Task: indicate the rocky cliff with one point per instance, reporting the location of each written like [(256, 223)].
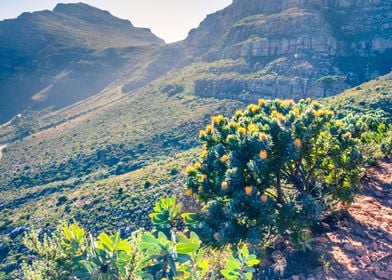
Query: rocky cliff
[(297, 47)]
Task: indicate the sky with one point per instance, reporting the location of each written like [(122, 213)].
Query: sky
[(169, 19)]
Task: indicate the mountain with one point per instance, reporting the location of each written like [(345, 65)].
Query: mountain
[(55, 58), (99, 113), (294, 48)]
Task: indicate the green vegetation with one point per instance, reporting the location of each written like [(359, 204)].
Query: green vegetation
[(276, 167), (271, 170), (70, 253), (116, 182), (370, 96)]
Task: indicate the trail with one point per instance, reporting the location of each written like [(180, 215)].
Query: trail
[(361, 245)]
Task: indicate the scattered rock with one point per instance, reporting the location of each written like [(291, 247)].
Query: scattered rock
[(295, 277), (322, 239), (382, 274), (366, 259), (360, 251), (349, 247)]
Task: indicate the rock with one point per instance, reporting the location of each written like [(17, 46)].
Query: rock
[(382, 274), (360, 251), (322, 239), (374, 246), (349, 247), (366, 259), (295, 277)]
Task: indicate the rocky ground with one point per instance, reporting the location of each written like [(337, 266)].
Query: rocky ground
[(360, 246), (355, 242)]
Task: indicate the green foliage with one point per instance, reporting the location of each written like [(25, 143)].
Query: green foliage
[(303, 239), (240, 267), (108, 257), (171, 258), (69, 254), (374, 131), (166, 210), (276, 166)]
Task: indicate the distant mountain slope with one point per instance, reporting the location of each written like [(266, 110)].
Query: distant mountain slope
[(55, 58), (373, 95), (291, 44)]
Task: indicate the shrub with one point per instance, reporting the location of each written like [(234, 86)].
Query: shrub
[(276, 166)]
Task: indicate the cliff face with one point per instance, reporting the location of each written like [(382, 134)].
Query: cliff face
[(291, 44)]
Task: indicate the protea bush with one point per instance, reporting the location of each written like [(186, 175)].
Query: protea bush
[(275, 167)]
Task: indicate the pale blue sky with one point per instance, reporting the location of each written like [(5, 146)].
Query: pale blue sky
[(169, 19)]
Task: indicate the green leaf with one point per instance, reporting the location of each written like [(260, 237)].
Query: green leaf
[(190, 218)]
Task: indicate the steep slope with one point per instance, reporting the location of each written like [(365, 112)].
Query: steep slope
[(295, 48), (373, 95), (55, 58)]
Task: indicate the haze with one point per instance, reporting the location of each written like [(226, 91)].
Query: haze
[(169, 19)]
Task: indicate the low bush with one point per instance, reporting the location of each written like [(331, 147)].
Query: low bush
[(274, 168)]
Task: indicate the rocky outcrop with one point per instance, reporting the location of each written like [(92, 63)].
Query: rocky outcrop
[(296, 43)]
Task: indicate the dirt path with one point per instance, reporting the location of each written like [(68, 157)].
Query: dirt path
[(360, 247)]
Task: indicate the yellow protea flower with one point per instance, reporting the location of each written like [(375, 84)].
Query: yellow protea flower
[(262, 136), (339, 123), (242, 130), (253, 128), (319, 113), (264, 198), (238, 113), (217, 119), (298, 143), (286, 103), (314, 103), (197, 165), (224, 158), (224, 185), (200, 189), (261, 102), (296, 111), (253, 108), (202, 133), (329, 113), (189, 192), (209, 128), (203, 177), (274, 113), (233, 125), (263, 154), (348, 135), (190, 169), (249, 190), (280, 118), (308, 100)]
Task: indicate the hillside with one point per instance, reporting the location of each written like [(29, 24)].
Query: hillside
[(121, 140), (98, 118), (73, 52)]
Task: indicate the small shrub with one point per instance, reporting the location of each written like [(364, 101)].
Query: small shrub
[(276, 166)]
